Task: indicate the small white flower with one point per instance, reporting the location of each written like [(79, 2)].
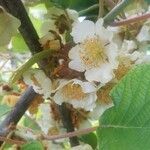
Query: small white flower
[(134, 53), (79, 94), (128, 46), (95, 52), (54, 12), (40, 82)]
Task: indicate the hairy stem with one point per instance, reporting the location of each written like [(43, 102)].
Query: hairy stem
[(11, 141), (71, 134), (101, 9), (89, 9), (131, 20), (115, 11), (17, 112), (67, 122)]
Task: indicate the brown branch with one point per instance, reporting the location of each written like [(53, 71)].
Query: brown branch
[(17, 112), (131, 20), (11, 141), (109, 18), (67, 122)]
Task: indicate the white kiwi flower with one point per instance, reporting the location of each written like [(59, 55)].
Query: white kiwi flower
[(95, 52), (39, 81), (76, 92)]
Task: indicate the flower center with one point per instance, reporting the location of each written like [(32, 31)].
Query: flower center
[(73, 91), (93, 53)]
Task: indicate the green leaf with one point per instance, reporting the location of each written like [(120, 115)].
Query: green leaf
[(34, 59), (18, 44), (75, 4), (8, 27), (82, 4), (28, 122), (90, 139), (47, 3), (33, 145), (126, 126), (4, 109), (148, 1), (62, 3)]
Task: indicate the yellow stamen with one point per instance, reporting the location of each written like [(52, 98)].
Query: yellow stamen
[(93, 53), (73, 91)]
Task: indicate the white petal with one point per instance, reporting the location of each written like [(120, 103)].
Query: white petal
[(99, 110), (59, 98), (48, 25), (112, 54), (85, 124), (74, 53), (45, 120), (128, 46), (102, 32), (144, 34), (103, 74), (73, 15), (88, 87), (45, 84), (76, 65), (88, 103), (136, 56), (83, 30), (61, 83)]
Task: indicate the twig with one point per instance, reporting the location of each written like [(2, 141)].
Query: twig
[(115, 11), (17, 112), (67, 122), (131, 20), (70, 134), (5, 142), (11, 141), (111, 3), (101, 9), (89, 9)]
